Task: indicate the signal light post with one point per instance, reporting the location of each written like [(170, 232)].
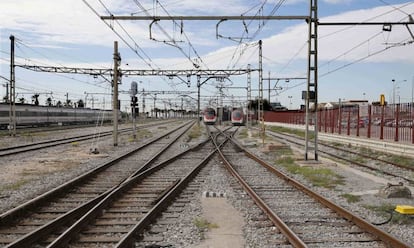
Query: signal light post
[(133, 92)]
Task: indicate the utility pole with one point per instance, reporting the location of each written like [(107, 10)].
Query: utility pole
[(155, 111), (260, 103), (268, 89), (312, 87), (143, 104), (117, 60), (249, 94), (12, 97)]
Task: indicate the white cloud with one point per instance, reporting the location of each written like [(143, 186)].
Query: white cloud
[(54, 23), (337, 1)]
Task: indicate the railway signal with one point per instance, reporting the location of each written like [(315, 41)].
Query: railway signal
[(133, 92)]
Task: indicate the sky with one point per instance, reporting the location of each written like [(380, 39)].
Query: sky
[(355, 62)]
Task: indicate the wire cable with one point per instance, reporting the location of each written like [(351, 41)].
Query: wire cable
[(134, 47), (185, 35)]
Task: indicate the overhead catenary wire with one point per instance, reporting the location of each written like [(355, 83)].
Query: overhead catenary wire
[(401, 43), (19, 44), (273, 11), (135, 48), (392, 6), (184, 33), (367, 20), (57, 74), (170, 39)]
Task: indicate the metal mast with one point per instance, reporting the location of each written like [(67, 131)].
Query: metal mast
[(12, 97), (312, 86), (249, 94), (117, 60), (260, 103)]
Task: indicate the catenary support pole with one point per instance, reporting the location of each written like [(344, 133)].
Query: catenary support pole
[(115, 96)]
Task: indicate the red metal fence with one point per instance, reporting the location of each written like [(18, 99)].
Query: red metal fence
[(391, 122)]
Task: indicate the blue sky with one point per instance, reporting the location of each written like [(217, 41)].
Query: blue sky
[(68, 33)]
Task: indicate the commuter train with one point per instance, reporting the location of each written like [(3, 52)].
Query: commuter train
[(237, 117), (32, 115), (209, 116)]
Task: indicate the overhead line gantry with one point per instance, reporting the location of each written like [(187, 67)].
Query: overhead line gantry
[(137, 72)]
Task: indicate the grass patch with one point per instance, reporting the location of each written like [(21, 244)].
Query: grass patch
[(203, 225), (389, 157), (402, 160), (75, 144), (195, 132), (296, 132), (359, 159), (385, 210), (351, 198), (320, 177), (283, 151), (15, 186), (143, 133), (243, 134)]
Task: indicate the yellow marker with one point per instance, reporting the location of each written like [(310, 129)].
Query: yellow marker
[(404, 209), (382, 100)]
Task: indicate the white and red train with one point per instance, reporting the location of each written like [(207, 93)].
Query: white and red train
[(209, 116), (238, 117)]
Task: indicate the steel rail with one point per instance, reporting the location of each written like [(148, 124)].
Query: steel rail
[(163, 200), (353, 161), (364, 225), (128, 239), (21, 210), (277, 221), (35, 235), (50, 143)]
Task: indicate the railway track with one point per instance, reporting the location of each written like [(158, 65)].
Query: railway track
[(303, 217), (122, 213), (363, 160), (21, 226), (5, 151)]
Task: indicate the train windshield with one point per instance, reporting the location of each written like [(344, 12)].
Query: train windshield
[(210, 112), (237, 114)]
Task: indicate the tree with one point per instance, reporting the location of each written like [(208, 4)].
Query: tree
[(49, 101), (59, 104), (35, 99), (21, 100), (253, 105), (68, 103), (80, 104)]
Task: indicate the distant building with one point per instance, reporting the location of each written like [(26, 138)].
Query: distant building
[(277, 106)]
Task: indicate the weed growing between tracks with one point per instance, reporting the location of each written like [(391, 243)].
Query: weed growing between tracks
[(195, 132), (397, 218), (320, 177), (351, 198), (203, 225), (15, 186), (243, 134), (140, 134), (296, 132)]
